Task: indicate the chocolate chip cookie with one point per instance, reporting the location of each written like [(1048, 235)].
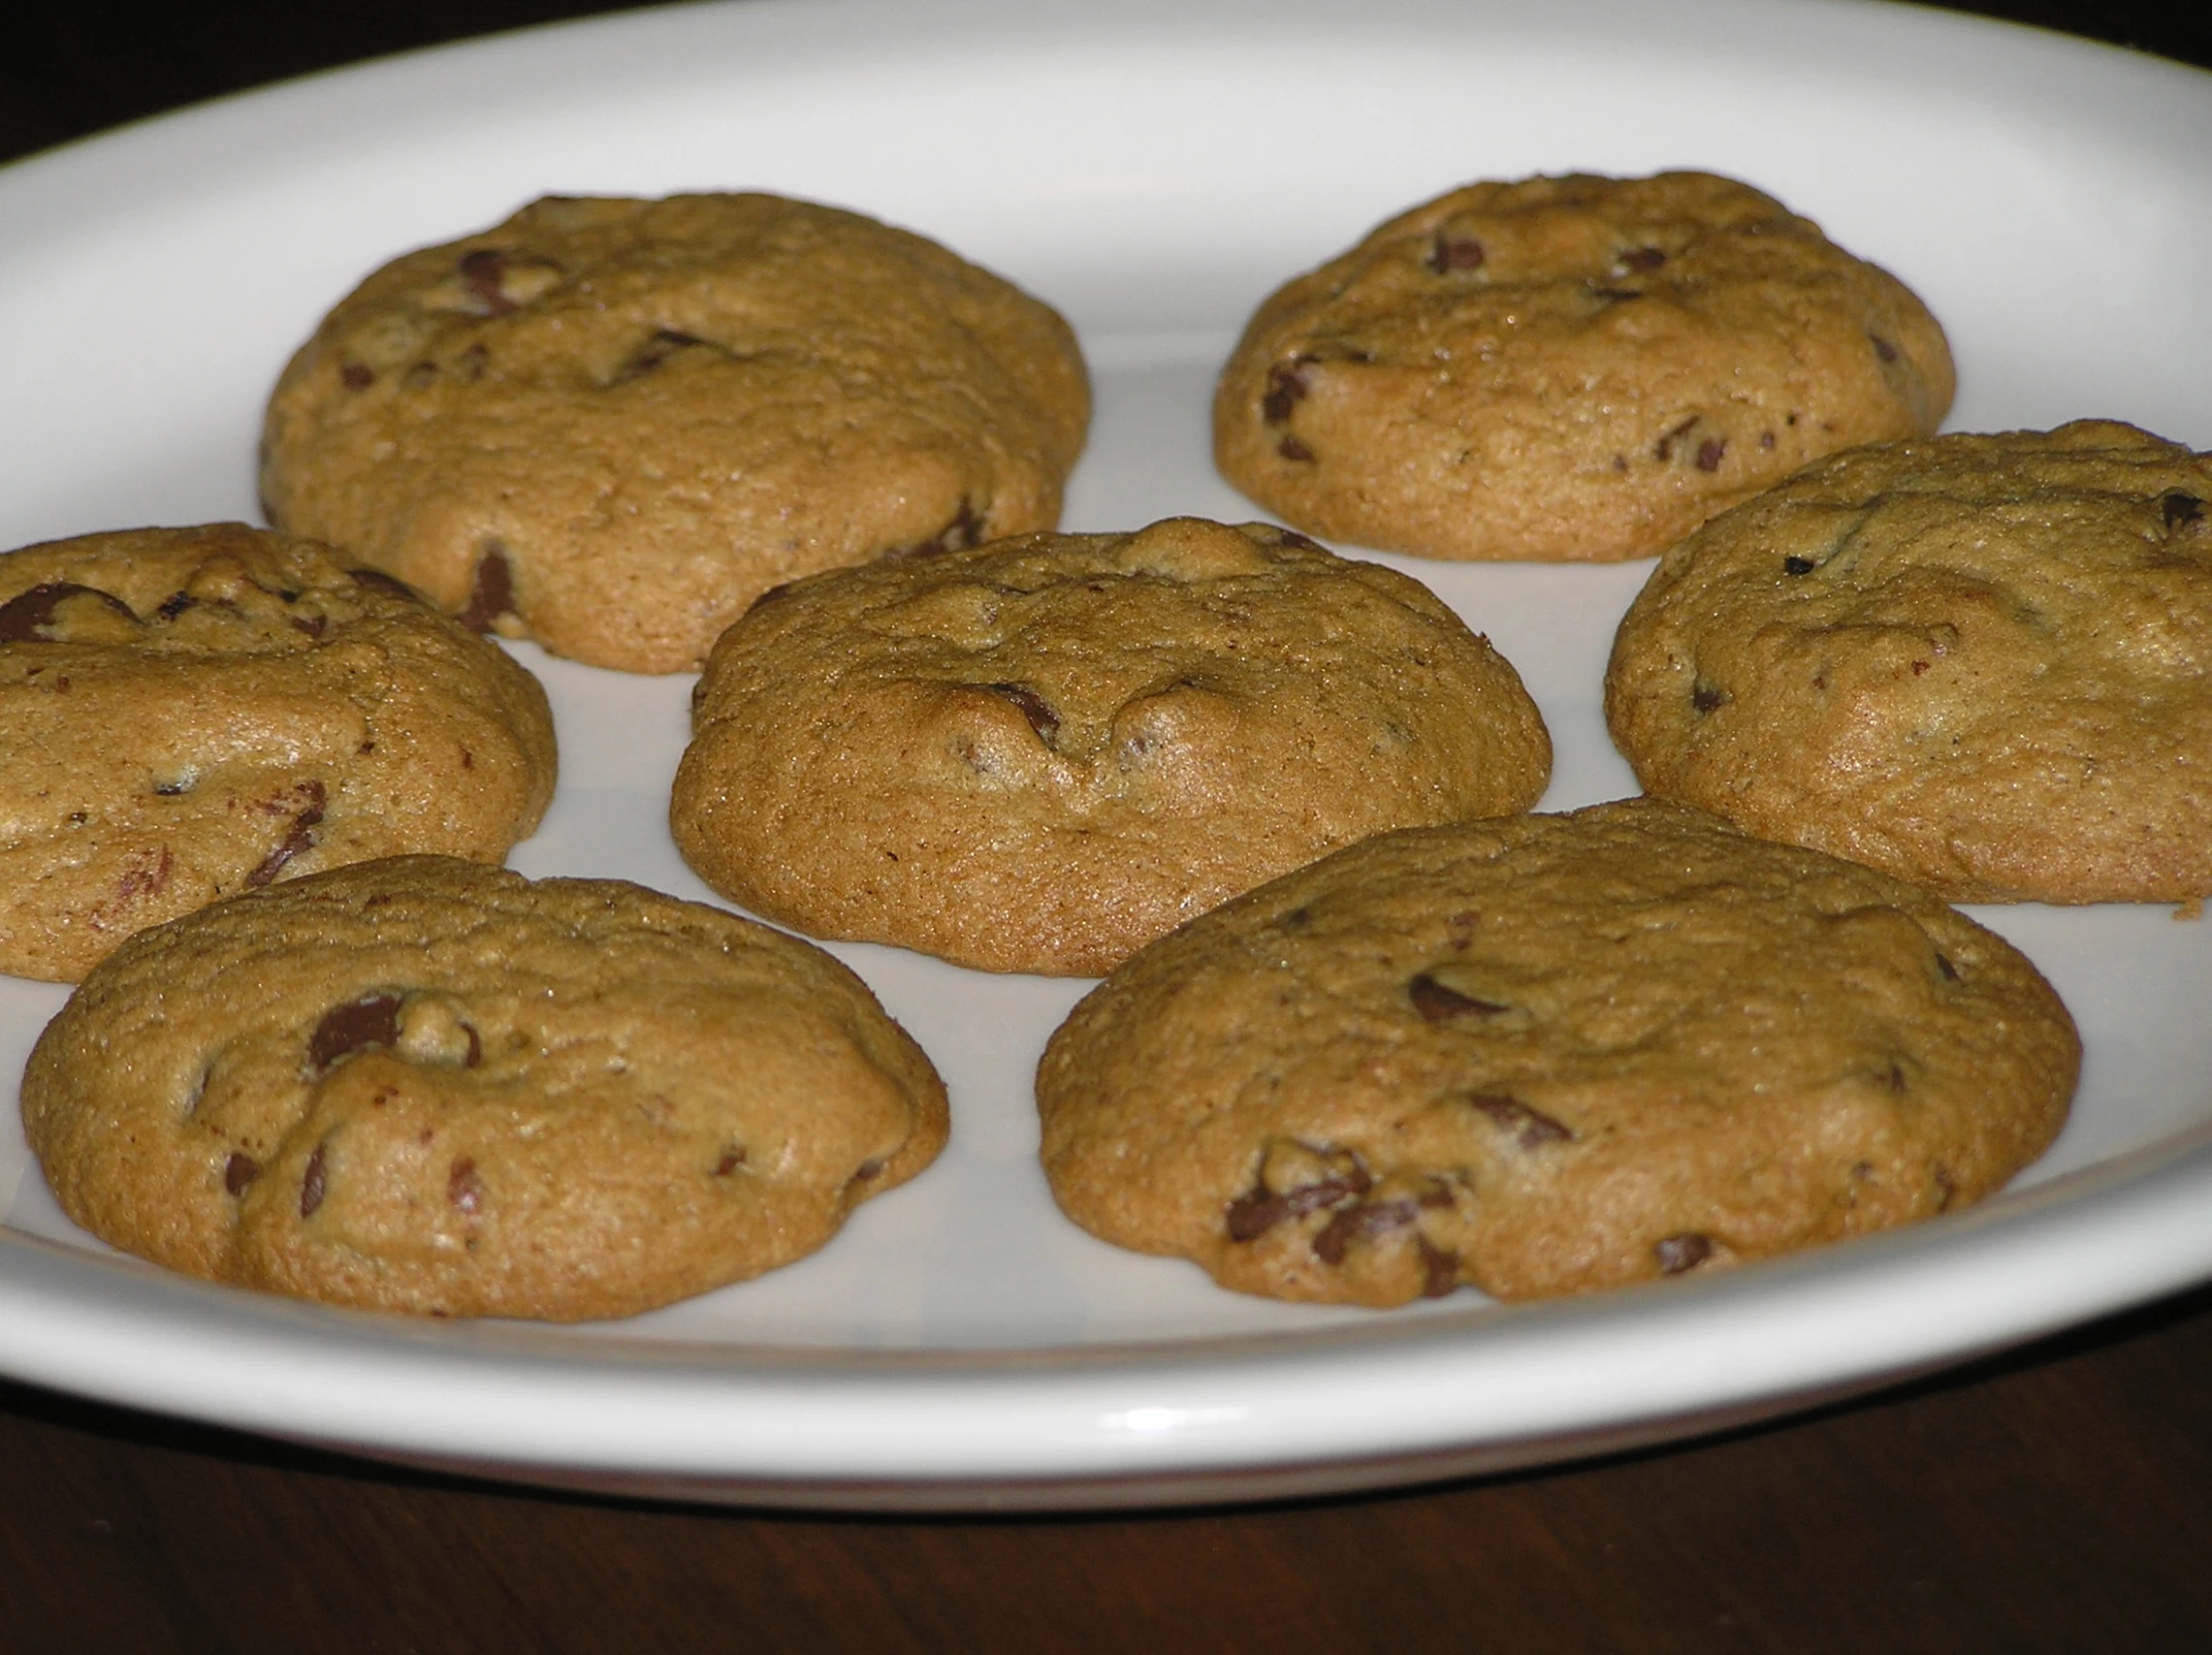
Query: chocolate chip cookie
[(1568, 368), (425, 1085), (1981, 662), (1546, 1055), (608, 425), (1040, 754), (186, 713)]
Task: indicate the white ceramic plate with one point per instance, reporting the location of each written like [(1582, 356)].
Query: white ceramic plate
[(1152, 170)]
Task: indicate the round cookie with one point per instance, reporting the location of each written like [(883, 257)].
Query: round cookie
[(187, 713), (1573, 369), (1040, 754), (609, 424), (1546, 1055), (424, 1084), (1977, 662)]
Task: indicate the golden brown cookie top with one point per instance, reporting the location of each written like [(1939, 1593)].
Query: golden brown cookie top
[(1572, 368), (1548, 1054), (1977, 661), (428, 1086), (609, 424), (192, 712), (1042, 753)]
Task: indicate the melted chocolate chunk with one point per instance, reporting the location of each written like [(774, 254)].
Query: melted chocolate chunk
[(1709, 698), (1531, 1128), (492, 594), (2177, 510), (1663, 448), (480, 272), (1260, 1209), (1439, 1269), (1456, 253), (25, 616), (664, 343), (1677, 1253), (1643, 258), (175, 604), (464, 1190), (1358, 1223), (313, 1185), (1799, 565), (361, 1025), (732, 1159), (297, 842), (1944, 967), (1439, 1004), (965, 530), (1034, 708), (1290, 448), (1286, 388), (238, 1171), (1710, 451), (780, 590), (356, 376), (1883, 348)]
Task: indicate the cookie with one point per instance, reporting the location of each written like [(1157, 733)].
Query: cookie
[(424, 1084), (1573, 369), (1040, 754), (1982, 663), (608, 425), (1546, 1055), (186, 713)]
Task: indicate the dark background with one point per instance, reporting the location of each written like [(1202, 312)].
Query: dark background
[(2059, 1498)]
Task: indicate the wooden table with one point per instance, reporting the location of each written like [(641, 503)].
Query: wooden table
[(2057, 1498)]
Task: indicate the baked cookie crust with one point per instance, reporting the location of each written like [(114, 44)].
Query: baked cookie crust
[(1547, 1054), (187, 713), (1568, 369), (1040, 754), (422, 1085), (1983, 663), (610, 424)]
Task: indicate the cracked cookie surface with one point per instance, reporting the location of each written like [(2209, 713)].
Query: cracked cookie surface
[(1039, 755), (609, 424), (187, 713), (1569, 369), (428, 1086), (1981, 662), (1545, 1055)]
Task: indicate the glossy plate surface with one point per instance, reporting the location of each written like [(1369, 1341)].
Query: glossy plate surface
[(1152, 170)]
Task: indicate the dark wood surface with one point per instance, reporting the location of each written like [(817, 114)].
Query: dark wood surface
[(2057, 1499)]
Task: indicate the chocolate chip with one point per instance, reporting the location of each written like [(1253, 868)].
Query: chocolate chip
[(1799, 565), (1290, 448), (1291, 537), (1296, 919), (312, 1185), (1286, 388), (1707, 698), (1883, 348), (238, 1171), (1358, 1223), (664, 343), (172, 788), (390, 585), (1644, 258), (965, 530), (1686, 1251), (1710, 451), (480, 272), (1894, 1077), (297, 842), (356, 376), (464, 1190), (1439, 1004), (1034, 708), (313, 625), (25, 616), (1663, 448), (175, 604), (1456, 253), (2176, 509), (358, 1025), (493, 594), (780, 590), (1439, 1269), (1944, 967), (732, 1159), (1531, 1128), (866, 1173), (1260, 1209)]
